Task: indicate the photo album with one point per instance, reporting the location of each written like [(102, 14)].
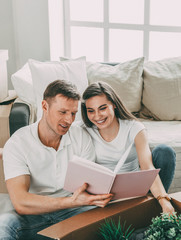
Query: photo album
[(102, 180)]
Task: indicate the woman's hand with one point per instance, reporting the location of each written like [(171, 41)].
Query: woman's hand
[(166, 206)]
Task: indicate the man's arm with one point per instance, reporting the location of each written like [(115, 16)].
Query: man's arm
[(29, 203)]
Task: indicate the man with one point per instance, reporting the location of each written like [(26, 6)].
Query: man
[(35, 162)]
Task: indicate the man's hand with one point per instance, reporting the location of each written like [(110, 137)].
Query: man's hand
[(81, 198)]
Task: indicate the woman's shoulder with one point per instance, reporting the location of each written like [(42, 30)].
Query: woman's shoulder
[(138, 124), (132, 127), (131, 123)]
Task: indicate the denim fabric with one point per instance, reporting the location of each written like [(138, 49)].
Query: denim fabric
[(25, 227), (164, 157)]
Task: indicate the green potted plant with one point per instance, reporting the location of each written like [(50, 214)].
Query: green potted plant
[(163, 227), (112, 231)]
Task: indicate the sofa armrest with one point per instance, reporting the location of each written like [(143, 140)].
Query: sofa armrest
[(19, 116)]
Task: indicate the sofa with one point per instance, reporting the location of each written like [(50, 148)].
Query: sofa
[(150, 90)]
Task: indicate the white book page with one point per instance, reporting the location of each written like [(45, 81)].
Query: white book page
[(123, 159), (92, 165), (123, 199)]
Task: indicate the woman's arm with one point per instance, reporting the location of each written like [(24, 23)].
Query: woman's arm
[(145, 161)]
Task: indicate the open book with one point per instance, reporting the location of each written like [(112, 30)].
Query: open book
[(102, 180)]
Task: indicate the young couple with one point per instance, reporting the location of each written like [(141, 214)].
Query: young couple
[(36, 157)]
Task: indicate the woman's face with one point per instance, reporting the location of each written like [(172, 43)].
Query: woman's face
[(100, 111)]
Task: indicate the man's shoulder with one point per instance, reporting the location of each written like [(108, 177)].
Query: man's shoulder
[(78, 130), (22, 134), (81, 142), (23, 130)]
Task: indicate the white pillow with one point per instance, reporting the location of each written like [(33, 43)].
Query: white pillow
[(72, 59), (162, 88), (23, 85), (44, 73), (125, 79)]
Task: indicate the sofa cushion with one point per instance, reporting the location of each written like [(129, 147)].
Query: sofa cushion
[(44, 73), (166, 132), (125, 78), (23, 85), (169, 133), (162, 88)]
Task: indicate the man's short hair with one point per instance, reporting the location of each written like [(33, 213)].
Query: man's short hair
[(63, 87)]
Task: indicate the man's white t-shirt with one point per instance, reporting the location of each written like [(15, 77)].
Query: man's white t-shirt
[(109, 153), (24, 154)]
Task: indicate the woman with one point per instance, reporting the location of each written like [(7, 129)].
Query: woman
[(113, 129)]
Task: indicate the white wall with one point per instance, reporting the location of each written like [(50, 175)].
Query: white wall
[(31, 30), (24, 31), (56, 29), (7, 35)]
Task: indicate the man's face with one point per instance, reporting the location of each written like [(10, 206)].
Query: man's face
[(60, 113)]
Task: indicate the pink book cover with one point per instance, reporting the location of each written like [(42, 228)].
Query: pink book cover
[(133, 184), (102, 180), (99, 181)]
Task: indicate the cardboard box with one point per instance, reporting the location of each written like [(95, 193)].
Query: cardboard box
[(84, 226), (3, 75), (2, 181)]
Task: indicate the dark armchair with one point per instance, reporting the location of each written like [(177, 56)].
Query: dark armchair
[(19, 116)]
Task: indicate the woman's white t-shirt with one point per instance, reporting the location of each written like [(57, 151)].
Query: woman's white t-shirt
[(109, 153)]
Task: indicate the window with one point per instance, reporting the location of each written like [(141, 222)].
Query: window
[(120, 30)]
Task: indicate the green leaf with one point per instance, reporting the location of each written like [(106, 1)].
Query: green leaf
[(110, 231), (164, 227)]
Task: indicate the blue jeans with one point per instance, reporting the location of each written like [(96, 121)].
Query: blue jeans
[(164, 157), (14, 226)]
